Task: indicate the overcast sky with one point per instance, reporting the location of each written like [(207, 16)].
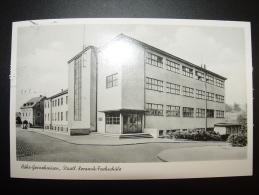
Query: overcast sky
[(43, 52)]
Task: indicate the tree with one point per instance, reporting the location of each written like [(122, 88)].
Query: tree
[(236, 107), (229, 108)]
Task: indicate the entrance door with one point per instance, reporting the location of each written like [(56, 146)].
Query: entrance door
[(132, 123)]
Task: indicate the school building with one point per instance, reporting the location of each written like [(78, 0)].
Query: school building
[(129, 87)]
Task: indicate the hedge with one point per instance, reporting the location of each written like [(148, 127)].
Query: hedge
[(238, 140)]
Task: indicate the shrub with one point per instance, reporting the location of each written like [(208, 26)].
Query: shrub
[(238, 140), (198, 135)]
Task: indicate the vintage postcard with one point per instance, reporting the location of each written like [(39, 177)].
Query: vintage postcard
[(131, 99)]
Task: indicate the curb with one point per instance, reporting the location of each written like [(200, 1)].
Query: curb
[(126, 144)]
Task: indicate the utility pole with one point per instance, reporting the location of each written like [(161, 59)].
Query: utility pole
[(205, 80)]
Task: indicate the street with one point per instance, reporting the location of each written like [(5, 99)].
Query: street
[(32, 146)]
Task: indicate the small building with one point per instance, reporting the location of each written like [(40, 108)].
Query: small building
[(33, 111), (227, 128), (56, 112)]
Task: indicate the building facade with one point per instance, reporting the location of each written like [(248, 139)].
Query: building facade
[(56, 112), (33, 111), (127, 87)]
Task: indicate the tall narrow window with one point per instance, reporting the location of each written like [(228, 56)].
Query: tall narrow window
[(66, 115), (66, 99), (77, 88), (62, 101), (61, 116), (58, 102)]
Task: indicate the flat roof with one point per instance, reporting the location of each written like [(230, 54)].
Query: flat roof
[(226, 124)]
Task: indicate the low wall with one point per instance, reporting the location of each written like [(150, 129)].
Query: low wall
[(153, 132), (79, 131)]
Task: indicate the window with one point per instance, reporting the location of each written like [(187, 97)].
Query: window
[(188, 112), (154, 60), (55, 103), (52, 116), (210, 79), (112, 81), (113, 119), (55, 116), (187, 91), (200, 113), (172, 66), (58, 116), (66, 115), (66, 99), (200, 94), (154, 84), (210, 96), (48, 117), (38, 114), (45, 117), (61, 117), (58, 102), (154, 109), (210, 113), (173, 88), (187, 72), (219, 114), (26, 113), (199, 75), (219, 98), (48, 104), (62, 101), (77, 89), (219, 83), (172, 110)]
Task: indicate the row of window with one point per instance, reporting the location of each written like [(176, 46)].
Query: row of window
[(56, 116), (65, 129), (157, 85), (157, 61), (38, 114), (175, 111), (57, 102)]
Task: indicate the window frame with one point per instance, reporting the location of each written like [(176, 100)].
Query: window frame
[(186, 71), (173, 111), (154, 84), (112, 81), (200, 113), (154, 109), (187, 91), (172, 66), (173, 88), (188, 112), (154, 60)]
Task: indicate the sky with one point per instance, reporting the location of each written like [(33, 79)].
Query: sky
[(44, 50)]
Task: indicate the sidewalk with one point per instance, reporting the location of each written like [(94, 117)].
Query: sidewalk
[(99, 139)]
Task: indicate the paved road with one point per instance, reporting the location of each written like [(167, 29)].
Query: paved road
[(32, 146)]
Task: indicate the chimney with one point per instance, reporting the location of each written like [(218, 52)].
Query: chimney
[(61, 90)]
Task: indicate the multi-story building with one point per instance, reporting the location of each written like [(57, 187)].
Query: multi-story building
[(33, 111), (56, 112), (127, 86)]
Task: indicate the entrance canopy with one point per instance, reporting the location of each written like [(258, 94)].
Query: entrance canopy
[(124, 111)]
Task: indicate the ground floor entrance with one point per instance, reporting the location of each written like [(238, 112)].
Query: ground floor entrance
[(132, 123), (122, 122)]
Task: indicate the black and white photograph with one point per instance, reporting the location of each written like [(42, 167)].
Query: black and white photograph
[(130, 99)]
